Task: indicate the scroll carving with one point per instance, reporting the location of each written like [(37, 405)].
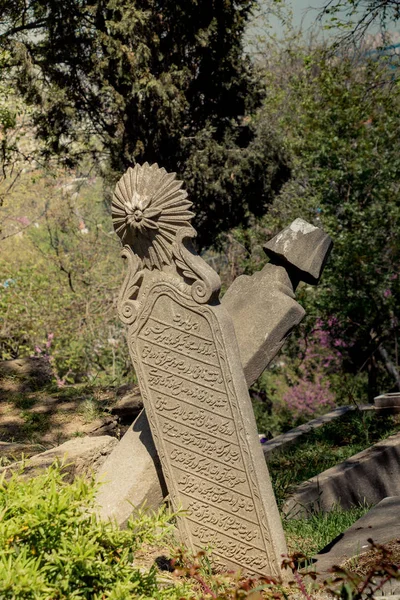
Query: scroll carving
[(127, 303)]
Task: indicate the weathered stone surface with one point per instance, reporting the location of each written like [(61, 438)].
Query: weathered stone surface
[(368, 476), (185, 354), (263, 306), (15, 451), (381, 524), (302, 248), (80, 456), (389, 402), (140, 483), (264, 311)]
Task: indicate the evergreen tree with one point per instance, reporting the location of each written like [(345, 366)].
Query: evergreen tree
[(159, 80)]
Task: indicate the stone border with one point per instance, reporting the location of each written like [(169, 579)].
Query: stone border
[(390, 403), (293, 436), (368, 476), (381, 524)]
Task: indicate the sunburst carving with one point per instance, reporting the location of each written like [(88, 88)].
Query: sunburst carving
[(148, 209)]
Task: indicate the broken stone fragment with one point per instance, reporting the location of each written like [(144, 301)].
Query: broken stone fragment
[(263, 307), (79, 456), (302, 249)]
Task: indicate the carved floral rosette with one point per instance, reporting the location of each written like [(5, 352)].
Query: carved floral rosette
[(185, 355)]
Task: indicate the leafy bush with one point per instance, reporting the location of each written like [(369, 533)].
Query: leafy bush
[(53, 546)]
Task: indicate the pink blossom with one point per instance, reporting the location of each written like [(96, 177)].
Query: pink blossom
[(387, 293), (49, 340), (23, 220)]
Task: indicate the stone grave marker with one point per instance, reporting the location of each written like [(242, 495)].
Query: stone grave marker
[(185, 354), (263, 310)]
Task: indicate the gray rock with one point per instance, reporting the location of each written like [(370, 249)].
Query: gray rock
[(80, 456), (140, 483), (15, 451)]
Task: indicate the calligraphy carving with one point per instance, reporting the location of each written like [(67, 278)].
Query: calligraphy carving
[(186, 358)]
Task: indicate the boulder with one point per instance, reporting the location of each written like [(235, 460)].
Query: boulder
[(79, 456)]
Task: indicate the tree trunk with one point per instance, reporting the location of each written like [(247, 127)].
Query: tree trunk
[(389, 366)]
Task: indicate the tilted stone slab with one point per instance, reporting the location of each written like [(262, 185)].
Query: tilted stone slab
[(264, 311), (129, 478), (381, 524), (388, 402), (368, 476), (185, 354), (282, 441), (263, 306)]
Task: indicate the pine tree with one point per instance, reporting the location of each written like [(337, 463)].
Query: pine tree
[(159, 80)]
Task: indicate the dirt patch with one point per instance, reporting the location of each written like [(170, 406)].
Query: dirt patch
[(365, 562), (51, 416)]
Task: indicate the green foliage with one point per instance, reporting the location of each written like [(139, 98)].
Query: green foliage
[(165, 82), (60, 279), (357, 16), (339, 120), (51, 545)]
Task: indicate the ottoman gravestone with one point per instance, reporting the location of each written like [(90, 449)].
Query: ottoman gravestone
[(184, 351), (263, 310)]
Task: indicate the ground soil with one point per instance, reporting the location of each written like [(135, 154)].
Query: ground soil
[(48, 417)]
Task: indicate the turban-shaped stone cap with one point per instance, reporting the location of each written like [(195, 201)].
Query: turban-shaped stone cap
[(302, 247)]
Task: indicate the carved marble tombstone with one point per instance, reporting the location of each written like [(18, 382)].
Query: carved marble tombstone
[(184, 351)]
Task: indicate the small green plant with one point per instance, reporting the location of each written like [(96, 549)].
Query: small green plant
[(90, 410), (35, 424), (53, 546), (309, 536)]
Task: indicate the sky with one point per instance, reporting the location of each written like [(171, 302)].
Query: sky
[(305, 13), (300, 10)]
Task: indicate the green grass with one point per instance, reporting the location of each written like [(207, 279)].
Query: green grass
[(327, 446), (90, 409), (309, 536)]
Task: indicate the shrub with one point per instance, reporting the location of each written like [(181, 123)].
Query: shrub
[(53, 546)]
